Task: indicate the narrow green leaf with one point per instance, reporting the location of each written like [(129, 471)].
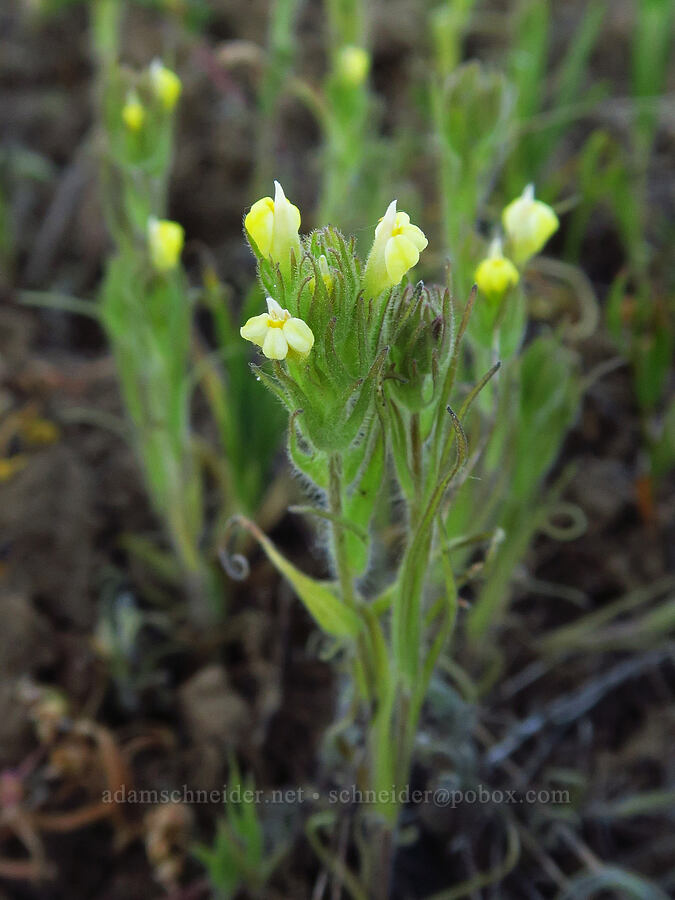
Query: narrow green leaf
[(330, 613)]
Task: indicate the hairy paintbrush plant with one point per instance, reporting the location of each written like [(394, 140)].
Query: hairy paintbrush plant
[(502, 502), (147, 309), (365, 363), (529, 412), (145, 306)]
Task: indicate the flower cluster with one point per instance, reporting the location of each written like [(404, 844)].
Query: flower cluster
[(528, 224), (158, 85), (273, 229)]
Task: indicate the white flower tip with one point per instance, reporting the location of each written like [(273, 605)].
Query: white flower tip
[(495, 250), (156, 68), (274, 309), (528, 193), (388, 220), (278, 192)]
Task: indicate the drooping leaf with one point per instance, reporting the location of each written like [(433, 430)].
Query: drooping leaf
[(319, 598)]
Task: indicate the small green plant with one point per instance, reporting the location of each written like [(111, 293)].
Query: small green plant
[(119, 638), (240, 855)]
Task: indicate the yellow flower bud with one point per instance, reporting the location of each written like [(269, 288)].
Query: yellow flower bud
[(133, 114), (528, 224), (496, 274), (352, 65), (165, 240), (326, 275), (395, 250), (166, 84), (278, 333), (273, 227)]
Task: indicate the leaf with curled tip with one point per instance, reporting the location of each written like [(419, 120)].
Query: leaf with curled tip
[(318, 597)]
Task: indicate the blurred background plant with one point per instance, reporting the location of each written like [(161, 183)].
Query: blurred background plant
[(148, 309), (641, 304), (241, 855), (347, 117)]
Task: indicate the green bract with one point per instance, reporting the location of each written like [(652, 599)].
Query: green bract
[(332, 392), (421, 342)]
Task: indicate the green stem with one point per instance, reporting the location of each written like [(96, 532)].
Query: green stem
[(106, 22), (416, 448), (339, 537), (280, 59)]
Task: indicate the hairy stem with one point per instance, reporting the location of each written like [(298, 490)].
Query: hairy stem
[(338, 530), (416, 447)]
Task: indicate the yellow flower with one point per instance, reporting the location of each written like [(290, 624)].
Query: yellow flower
[(278, 333), (273, 226), (166, 84), (352, 65), (133, 114), (395, 250), (10, 466), (165, 240), (36, 431), (528, 224), (496, 274)]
